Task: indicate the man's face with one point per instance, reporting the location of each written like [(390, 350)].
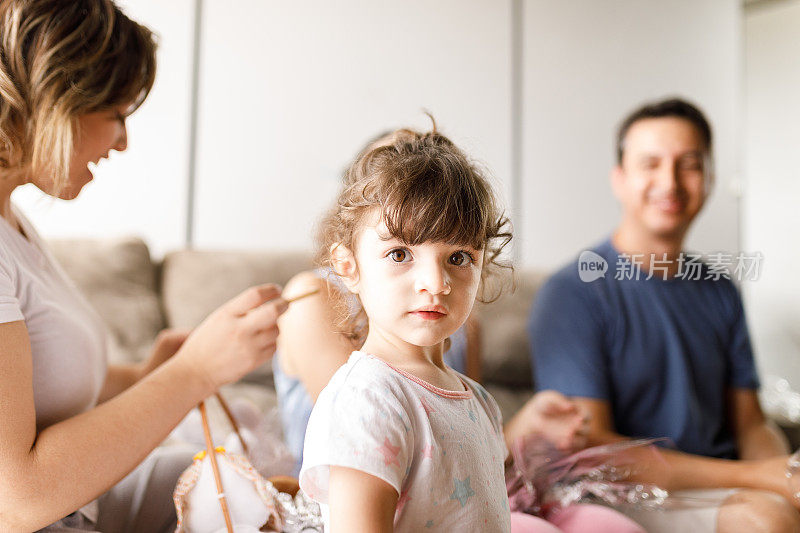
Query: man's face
[(661, 182)]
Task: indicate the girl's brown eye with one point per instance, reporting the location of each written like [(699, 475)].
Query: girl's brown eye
[(398, 256), (459, 258)]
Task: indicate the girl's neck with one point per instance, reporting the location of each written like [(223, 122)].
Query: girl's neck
[(400, 353), (422, 362)]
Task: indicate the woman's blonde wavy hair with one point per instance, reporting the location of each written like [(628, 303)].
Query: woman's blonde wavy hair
[(428, 191), (60, 59)]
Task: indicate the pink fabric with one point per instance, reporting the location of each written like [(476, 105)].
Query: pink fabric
[(577, 518), (455, 394), (582, 517), (525, 523)]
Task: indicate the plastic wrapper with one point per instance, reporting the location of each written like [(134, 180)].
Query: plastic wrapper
[(254, 503), (251, 499), (793, 475), (543, 479), (300, 514), (262, 433), (780, 402), (267, 451)]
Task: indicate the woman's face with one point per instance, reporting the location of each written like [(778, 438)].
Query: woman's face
[(96, 134)]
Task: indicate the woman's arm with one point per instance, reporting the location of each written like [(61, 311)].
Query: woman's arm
[(122, 377), (360, 502), (47, 475), (310, 346)]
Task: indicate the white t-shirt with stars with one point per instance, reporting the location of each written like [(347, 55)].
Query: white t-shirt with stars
[(443, 451)]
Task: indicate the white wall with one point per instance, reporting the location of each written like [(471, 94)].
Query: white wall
[(586, 65), (141, 191), (290, 91), (770, 214)]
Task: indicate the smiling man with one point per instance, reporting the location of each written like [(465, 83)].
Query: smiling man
[(650, 347)]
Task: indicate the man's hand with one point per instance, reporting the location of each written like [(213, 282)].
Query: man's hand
[(554, 417), (770, 474)]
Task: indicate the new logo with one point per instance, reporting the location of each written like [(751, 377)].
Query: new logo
[(591, 266)]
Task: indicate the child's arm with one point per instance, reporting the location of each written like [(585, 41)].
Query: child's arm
[(360, 502)]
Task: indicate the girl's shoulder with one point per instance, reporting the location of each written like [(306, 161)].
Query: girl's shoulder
[(477, 389), (364, 373), (484, 398)]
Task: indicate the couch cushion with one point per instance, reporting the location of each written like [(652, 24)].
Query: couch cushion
[(505, 347), (118, 278), (195, 283)]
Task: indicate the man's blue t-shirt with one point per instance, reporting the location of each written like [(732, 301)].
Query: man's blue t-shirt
[(663, 353)]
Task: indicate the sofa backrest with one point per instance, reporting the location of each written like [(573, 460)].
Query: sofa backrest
[(137, 297), (195, 283), (505, 348), (119, 279)]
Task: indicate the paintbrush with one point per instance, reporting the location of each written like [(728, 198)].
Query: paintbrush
[(302, 295)]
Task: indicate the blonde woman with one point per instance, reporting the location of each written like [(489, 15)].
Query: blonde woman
[(76, 434)]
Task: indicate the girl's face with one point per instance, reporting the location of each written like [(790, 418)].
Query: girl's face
[(418, 295), (97, 133)]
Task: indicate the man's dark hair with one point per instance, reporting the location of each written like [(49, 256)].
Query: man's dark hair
[(672, 107)]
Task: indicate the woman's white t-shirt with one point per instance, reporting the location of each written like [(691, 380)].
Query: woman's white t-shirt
[(67, 337)]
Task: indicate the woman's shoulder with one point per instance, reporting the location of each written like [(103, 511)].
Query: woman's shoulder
[(329, 284), (9, 262), (297, 319), (302, 282)]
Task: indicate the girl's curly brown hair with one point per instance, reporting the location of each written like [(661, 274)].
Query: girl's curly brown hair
[(428, 191)]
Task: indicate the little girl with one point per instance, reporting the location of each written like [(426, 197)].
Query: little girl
[(397, 440)]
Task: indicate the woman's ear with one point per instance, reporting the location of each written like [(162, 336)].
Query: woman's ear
[(344, 264)]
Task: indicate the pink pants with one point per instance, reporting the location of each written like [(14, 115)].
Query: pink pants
[(577, 518)]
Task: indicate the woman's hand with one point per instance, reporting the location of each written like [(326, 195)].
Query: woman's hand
[(552, 416), (236, 338), (167, 343)]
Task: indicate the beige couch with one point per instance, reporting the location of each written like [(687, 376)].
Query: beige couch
[(137, 297)]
